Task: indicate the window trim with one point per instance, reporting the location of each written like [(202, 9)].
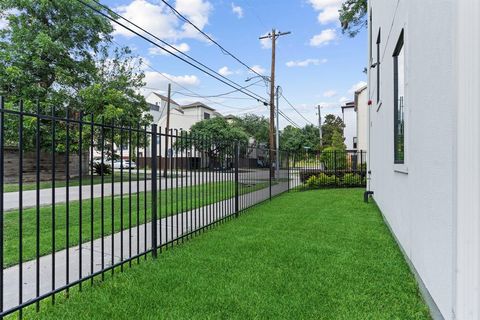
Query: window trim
[(379, 41), (398, 48)]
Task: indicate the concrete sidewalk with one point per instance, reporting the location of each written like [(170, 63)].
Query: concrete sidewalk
[(170, 228)]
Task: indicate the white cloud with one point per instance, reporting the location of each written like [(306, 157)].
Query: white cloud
[(267, 42), (343, 100), (323, 38), (258, 69), (322, 4), (305, 63), (328, 10), (182, 47), (357, 86), (197, 11), (237, 10), (329, 15), (330, 93), (3, 23), (159, 81), (159, 19), (224, 71)]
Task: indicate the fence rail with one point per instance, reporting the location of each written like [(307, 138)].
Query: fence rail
[(90, 199)]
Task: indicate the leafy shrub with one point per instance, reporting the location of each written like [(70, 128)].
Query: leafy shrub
[(101, 168), (308, 173), (321, 180), (334, 159), (352, 179)]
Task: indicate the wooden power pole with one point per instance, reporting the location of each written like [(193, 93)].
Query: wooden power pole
[(167, 129), (274, 35)]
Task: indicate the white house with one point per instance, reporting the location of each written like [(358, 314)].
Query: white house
[(181, 118), (349, 118), (361, 110), (424, 142)]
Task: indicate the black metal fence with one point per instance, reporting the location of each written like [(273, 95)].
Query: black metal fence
[(328, 169), (85, 199), (82, 199)]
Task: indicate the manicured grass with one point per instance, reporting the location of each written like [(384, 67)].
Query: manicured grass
[(170, 202), (13, 187), (305, 255)]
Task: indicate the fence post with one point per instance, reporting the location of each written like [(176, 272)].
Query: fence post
[(361, 167), (270, 175), (335, 165), (154, 189), (237, 151), (288, 171)]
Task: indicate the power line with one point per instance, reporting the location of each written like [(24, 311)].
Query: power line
[(225, 51), (212, 73), (226, 93), (289, 119), (291, 105)]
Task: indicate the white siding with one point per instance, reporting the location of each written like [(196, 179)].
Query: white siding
[(350, 119), (468, 162), (418, 202), (362, 120)]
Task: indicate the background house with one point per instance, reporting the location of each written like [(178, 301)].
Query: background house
[(349, 118), (361, 110), (424, 147)]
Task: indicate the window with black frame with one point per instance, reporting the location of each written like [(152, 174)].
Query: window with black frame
[(379, 40), (399, 97)]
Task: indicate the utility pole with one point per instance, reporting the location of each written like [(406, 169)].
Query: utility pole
[(277, 132), (167, 129), (274, 35), (320, 125)]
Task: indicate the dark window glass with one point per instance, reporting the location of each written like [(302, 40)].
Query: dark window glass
[(206, 115), (399, 97), (378, 65)]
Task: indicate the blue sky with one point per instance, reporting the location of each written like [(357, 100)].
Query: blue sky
[(316, 64)]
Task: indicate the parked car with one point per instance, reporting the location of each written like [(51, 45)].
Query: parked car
[(125, 164)]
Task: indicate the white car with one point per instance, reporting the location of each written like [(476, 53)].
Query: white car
[(125, 164)]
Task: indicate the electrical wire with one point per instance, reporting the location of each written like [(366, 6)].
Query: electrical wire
[(210, 71), (295, 109), (225, 51)]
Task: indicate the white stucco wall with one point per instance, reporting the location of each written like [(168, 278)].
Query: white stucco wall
[(467, 200), (350, 119), (362, 119), (418, 202)]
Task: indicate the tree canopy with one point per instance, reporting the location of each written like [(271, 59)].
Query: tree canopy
[(331, 125), (255, 126), (353, 16), (214, 136), (60, 53)]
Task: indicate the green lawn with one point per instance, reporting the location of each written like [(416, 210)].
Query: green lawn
[(305, 255), (188, 198), (13, 187)]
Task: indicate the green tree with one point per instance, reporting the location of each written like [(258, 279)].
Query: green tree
[(291, 139), (311, 137), (215, 137), (47, 50), (255, 126), (60, 53), (331, 125), (353, 16), (338, 141)]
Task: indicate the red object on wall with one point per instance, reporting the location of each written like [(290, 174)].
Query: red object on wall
[(369, 102)]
